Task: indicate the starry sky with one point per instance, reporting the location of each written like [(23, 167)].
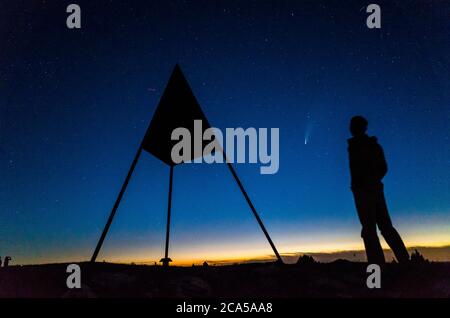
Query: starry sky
[(74, 105)]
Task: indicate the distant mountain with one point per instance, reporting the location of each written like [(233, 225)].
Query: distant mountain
[(437, 254)]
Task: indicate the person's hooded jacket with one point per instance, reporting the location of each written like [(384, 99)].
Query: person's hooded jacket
[(367, 162)]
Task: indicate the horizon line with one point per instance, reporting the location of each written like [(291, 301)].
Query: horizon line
[(257, 259)]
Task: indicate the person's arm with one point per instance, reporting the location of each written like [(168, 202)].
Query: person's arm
[(382, 167), (355, 169)]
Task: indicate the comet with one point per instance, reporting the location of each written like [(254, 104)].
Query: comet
[(307, 133)]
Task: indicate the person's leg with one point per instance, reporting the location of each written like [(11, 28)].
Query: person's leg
[(389, 233), (365, 205)]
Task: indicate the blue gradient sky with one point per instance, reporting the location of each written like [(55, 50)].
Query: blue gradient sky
[(74, 105)]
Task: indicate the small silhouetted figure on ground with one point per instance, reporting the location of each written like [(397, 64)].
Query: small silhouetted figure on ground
[(367, 168), (6, 262)]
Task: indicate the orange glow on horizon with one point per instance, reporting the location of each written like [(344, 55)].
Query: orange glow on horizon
[(227, 257), (185, 253)]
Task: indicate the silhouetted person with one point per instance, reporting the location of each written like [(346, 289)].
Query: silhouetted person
[(367, 168), (6, 262)]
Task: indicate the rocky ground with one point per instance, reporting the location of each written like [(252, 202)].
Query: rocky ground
[(341, 279)]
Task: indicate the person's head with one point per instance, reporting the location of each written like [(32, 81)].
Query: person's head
[(358, 125)]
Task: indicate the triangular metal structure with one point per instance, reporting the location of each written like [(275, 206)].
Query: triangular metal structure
[(177, 107)]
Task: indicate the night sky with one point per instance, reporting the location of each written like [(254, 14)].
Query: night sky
[(75, 104)]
